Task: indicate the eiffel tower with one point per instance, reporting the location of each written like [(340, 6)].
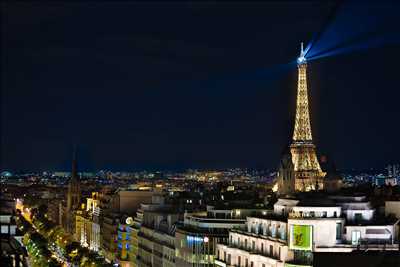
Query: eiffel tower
[(308, 174)]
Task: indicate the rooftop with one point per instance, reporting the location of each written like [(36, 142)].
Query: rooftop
[(317, 202), (377, 221), (271, 216)]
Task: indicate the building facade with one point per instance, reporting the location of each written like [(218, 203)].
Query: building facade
[(297, 231), (156, 237), (87, 223), (73, 199), (197, 237), (262, 244)]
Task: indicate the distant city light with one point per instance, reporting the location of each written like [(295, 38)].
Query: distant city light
[(275, 188), (129, 221)]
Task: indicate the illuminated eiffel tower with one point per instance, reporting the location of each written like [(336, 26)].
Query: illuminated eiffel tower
[(308, 174)]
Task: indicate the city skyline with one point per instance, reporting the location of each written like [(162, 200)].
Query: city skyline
[(132, 98), (199, 134)]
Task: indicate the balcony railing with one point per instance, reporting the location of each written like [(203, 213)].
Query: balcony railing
[(310, 215), (255, 250), (304, 258)]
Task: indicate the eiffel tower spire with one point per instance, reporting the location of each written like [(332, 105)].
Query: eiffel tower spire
[(308, 173)]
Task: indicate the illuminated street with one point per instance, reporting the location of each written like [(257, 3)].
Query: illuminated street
[(57, 242)]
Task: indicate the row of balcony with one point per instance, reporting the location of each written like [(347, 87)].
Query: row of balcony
[(312, 214), (256, 250), (277, 234)]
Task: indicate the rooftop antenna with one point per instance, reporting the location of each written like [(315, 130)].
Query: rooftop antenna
[(302, 49)]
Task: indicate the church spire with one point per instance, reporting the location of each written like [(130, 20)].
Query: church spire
[(74, 186), (74, 169)]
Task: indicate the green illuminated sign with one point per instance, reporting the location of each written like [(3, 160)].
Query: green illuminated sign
[(301, 237)]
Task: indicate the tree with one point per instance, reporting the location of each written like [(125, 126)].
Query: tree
[(42, 211), (34, 212), (53, 263)]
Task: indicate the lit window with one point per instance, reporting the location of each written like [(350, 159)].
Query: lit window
[(338, 231), (4, 229), (12, 230)]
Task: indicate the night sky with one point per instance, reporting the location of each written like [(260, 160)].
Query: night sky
[(198, 85)]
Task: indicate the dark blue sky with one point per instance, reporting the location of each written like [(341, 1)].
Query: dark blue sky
[(191, 84)]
